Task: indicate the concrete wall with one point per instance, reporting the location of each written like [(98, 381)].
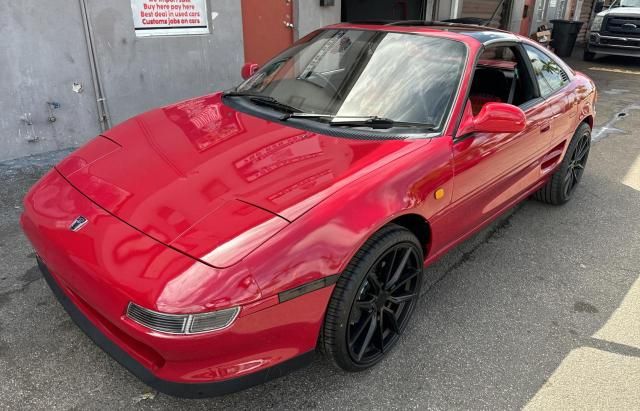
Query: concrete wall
[(42, 53), (139, 73), (309, 15), (444, 9)]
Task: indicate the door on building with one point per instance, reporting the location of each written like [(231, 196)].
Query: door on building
[(527, 15), (546, 10), (538, 17), (267, 27), (363, 10)]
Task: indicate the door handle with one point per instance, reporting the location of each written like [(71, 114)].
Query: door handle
[(545, 127), (289, 24)]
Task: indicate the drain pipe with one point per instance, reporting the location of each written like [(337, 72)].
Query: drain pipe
[(455, 5), (103, 112)]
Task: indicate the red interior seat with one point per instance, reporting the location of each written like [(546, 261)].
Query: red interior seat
[(479, 100)]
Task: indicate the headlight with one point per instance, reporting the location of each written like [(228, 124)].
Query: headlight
[(597, 23), (182, 323)]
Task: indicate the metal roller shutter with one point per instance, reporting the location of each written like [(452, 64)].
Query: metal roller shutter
[(585, 16), (486, 8)]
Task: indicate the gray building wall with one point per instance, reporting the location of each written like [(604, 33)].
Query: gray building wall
[(139, 73), (516, 15), (309, 16), (44, 51), (446, 9)]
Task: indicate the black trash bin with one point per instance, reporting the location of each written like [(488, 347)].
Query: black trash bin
[(564, 36)]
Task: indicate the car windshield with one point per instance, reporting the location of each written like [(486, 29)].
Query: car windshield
[(630, 3), (360, 73)]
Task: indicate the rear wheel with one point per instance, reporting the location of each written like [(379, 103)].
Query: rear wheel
[(569, 173), (373, 299)]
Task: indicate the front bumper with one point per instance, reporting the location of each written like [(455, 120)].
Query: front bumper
[(619, 46), (186, 390), (98, 270)]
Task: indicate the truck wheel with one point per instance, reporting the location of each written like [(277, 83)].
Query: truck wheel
[(588, 55)]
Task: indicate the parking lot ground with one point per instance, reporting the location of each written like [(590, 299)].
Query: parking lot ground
[(540, 310)]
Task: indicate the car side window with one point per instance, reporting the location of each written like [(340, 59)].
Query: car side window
[(501, 75), (551, 77)]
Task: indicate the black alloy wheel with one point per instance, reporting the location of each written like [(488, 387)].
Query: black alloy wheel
[(374, 299), (577, 164), (384, 300), (588, 55), (560, 187)]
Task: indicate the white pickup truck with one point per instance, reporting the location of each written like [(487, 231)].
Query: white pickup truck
[(615, 31)]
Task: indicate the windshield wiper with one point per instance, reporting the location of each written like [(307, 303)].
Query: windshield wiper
[(360, 121), (262, 100), (233, 93), (307, 115)]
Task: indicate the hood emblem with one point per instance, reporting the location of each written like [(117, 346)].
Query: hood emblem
[(78, 223)]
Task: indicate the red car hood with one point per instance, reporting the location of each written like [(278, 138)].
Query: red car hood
[(197, 174)]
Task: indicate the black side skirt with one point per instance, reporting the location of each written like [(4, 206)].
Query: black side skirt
[(185, 390)]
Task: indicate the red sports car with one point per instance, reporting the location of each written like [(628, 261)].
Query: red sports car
[(218, 242)]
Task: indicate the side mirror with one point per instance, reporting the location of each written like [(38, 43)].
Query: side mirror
[(494, 118), (248, 70)]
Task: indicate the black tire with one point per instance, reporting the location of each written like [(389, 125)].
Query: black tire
[(588, 55), (373, 304), (564, 180)]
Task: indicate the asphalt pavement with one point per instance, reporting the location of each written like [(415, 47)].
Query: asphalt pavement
[(540, 310)]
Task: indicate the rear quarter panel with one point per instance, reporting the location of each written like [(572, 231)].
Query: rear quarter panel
[(586, 95)]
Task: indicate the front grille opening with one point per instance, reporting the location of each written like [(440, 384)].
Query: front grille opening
[(627, 26)]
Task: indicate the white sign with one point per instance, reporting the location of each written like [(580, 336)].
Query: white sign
[(169, 17)]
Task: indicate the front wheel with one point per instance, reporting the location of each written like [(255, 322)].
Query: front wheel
[(373, 299), (569, 173)]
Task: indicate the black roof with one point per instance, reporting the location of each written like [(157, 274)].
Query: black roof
[(481, 33)]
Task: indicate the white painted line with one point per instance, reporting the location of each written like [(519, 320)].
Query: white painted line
[(601, 132), (614, 70)]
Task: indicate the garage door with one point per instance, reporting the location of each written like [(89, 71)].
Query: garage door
[(363, 10), (485, 9)]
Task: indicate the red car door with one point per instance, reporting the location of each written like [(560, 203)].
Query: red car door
[(563, 122), (492, 169), (555, 86)]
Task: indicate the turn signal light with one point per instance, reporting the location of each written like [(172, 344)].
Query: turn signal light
[(182, 323)]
